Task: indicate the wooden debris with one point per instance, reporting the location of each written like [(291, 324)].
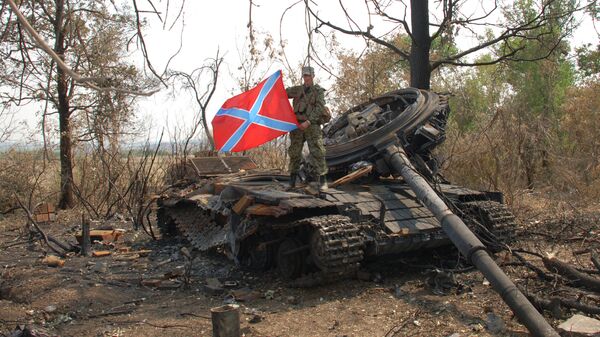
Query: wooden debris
[(44, 212), (151, 282), (128, 257), (53, 261), (141, 252), (361, 172), (572, 274), (170, 284), (101, 235), (242, 204), (100, 253), (555, 304), (595, 260), (162, 263), (173, 274), (47, 238), (86, 242), (266, 210)]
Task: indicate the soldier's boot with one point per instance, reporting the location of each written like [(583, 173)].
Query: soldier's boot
[(322, 183), (293, 177)]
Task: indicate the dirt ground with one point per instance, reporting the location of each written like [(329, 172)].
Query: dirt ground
[(148, 294)]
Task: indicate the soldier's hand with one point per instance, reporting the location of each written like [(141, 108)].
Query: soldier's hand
[(304, 125)]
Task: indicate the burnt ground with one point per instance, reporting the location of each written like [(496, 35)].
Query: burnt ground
[(130, 294)]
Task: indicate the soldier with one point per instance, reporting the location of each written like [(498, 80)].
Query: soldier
[(309, 106)]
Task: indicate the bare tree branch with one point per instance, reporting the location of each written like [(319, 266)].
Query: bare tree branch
[(366, 33), (86, 81)]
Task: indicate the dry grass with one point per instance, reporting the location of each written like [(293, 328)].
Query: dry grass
[(104, 184), (517, 155), (27, 175)]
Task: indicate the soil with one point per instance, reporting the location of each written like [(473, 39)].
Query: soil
[(150, 294)]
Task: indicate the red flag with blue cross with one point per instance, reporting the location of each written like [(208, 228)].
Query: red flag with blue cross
[(254, 117)]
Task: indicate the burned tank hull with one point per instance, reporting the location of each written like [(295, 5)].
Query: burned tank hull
[(253, 217), (386, 197)]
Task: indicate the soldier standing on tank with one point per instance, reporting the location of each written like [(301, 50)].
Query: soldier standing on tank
[(309, 106)]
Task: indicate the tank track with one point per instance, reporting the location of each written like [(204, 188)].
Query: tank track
[(498, 221), (336, 249), (196, 225)]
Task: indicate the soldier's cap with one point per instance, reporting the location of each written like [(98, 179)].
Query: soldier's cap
[(308, 71)]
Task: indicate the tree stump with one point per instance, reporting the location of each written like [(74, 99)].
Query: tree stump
[(86, 243)]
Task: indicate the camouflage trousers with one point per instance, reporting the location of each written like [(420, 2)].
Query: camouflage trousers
[(314, 138)]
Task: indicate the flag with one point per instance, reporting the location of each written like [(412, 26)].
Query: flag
[(254, 117)]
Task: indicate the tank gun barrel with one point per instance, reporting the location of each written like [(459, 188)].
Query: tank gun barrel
[(468, 244)]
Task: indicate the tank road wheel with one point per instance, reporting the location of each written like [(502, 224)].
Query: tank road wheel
[(260, 258), (290, 258)]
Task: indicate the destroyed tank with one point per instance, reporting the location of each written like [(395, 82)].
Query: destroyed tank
[(385, 197), (252, 216)]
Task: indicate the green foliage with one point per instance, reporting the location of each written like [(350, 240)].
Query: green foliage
[(588, 60), (476, 94), (520, 125)]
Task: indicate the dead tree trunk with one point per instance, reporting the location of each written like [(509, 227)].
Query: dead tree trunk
[(420, 69), (64, 114)]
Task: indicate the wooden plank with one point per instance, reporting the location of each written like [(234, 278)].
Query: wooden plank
[(393, 226), (266, 210), (400, 228), (361, 172), (100, 253), (242, 204)]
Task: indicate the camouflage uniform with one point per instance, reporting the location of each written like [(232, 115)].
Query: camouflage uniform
[(309, 104)]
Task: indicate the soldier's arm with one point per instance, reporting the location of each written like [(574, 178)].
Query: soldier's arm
[(317, 110), (294, 92)]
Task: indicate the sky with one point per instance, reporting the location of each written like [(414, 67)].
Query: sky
[(209, 26), (212, 25)]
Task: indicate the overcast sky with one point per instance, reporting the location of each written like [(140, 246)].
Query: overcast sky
[(212, 25)]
